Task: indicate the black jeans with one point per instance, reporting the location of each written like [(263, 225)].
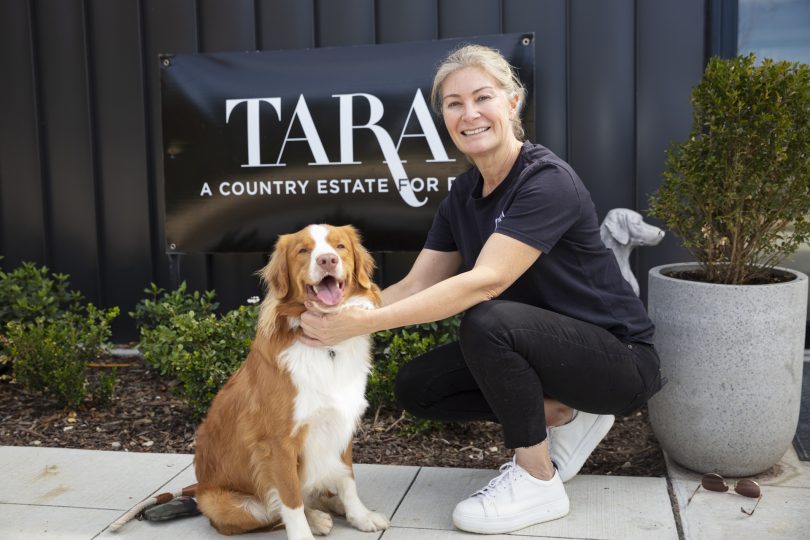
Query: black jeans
[(510, 355)]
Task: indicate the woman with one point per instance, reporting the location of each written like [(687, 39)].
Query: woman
[(553, 336)]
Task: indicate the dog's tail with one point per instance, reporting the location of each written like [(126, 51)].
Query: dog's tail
[(188, 491)]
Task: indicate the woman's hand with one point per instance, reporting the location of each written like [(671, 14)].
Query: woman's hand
[(327, 329)]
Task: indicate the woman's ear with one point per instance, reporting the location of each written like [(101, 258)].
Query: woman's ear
[(275, 275), (514, 103)]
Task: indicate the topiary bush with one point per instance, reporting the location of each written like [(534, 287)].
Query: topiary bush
[(29, 292), (161, 305), (50, 355), (199, 349), (737, 190)]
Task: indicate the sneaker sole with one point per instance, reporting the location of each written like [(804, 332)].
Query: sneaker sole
[(598, 430), (548, 512)]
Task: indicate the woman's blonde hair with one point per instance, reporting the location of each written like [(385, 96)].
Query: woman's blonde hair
[(494, 64)]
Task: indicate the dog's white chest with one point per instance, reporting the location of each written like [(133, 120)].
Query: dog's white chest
[(332, 379)]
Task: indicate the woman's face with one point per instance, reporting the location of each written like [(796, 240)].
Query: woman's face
[(476, 112)]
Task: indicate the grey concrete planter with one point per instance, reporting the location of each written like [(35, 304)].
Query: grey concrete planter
[(733, 356)]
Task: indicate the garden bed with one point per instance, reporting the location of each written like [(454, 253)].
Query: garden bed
[(145, 416)]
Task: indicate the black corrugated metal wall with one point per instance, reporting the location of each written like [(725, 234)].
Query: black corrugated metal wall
[(81, 165)]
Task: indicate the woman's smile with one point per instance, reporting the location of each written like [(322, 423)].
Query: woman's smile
[(476, 131)]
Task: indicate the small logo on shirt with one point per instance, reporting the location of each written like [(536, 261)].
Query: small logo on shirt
[(498, 219)]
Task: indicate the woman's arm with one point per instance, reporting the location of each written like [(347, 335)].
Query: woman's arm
[(429, 268), (501, 261)]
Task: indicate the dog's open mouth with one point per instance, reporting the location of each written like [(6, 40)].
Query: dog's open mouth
[(328, 292)]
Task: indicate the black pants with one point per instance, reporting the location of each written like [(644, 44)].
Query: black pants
[(510, 355)]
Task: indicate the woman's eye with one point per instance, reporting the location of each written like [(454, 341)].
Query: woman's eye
[(484, 97), (452, 104)]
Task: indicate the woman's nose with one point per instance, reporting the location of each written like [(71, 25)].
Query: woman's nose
[(470, 111)]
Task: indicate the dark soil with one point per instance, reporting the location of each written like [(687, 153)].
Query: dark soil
[(145, 416), (772, 276)]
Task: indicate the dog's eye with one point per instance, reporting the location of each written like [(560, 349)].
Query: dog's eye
[(303, 251), (340, 246)]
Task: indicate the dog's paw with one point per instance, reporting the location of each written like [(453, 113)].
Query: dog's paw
[(319, 522), (372, 521)]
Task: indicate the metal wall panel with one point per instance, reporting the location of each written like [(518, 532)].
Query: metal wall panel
[(459, 18), (22, 212), (226, 25), (602, 100), (344, 22), (285, 25), (670, 63), (81, 158), (67, 152), (414, 20), (547, 19), (120, 151)]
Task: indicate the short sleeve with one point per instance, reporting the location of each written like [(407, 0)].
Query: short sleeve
[(440, 235), (545, 206)]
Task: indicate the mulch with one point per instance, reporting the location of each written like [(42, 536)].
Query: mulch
[(145, 416)]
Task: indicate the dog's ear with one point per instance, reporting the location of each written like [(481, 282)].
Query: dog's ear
[(275, 275), (616, 223), (363, 261)]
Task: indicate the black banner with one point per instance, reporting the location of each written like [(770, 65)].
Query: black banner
[(258, 144)]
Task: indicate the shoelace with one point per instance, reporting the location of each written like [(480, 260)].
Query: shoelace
[(508, 475)]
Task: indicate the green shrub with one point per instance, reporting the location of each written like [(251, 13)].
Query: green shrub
[(51, 355), (105, 385), (200, 350), (734, 187), (394, 348), (29, 292), (161, 305)]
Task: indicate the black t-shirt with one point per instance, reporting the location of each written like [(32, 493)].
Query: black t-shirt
[(543, 203)]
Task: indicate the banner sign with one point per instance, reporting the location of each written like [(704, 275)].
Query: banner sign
[(258, 144)]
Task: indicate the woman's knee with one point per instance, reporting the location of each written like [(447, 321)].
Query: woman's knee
[(483, 325), (480, 318)]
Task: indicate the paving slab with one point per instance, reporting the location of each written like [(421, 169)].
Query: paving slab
[(783, 512), (381, 487), (83, 478), (602, 507), (27, 522)]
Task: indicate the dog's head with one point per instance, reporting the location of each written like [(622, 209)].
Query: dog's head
[(321, 264), (627, 228)]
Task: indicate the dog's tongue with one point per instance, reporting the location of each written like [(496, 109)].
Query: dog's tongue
[(329, 293)]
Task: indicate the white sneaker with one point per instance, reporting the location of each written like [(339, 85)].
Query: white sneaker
[(572, 443), (511, 501)]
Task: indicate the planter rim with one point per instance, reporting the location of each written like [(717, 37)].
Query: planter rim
[(657, 271)]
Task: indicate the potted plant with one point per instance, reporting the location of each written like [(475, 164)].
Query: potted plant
[(730, 327)]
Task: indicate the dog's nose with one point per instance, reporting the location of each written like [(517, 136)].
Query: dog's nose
[(327, 262)]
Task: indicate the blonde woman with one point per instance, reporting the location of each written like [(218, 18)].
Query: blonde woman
[(554, 341)]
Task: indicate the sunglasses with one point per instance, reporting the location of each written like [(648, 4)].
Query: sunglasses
[(745, 487)]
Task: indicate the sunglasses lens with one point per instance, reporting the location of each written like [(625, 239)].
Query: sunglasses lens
[(714, 482), (748, 488)]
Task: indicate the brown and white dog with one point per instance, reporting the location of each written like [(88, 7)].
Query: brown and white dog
[(276, 445)]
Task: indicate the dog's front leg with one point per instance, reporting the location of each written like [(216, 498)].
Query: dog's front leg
[(356, 512), (277, 482)]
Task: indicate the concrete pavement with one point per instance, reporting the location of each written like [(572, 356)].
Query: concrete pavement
[(76, 494)]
